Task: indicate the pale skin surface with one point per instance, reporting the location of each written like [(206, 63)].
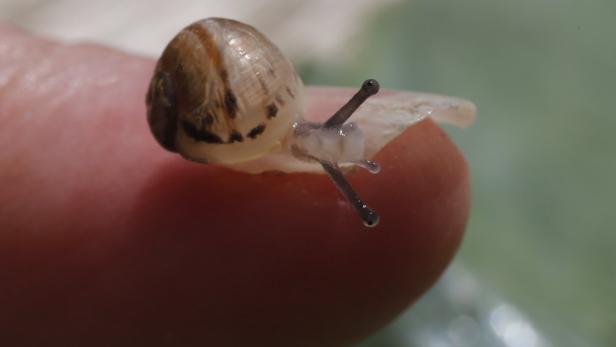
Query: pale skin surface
[(106, 239)]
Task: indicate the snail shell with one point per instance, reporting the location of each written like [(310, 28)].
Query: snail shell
[(223, 93)]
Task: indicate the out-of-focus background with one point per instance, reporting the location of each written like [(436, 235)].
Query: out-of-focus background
[(538, 265)]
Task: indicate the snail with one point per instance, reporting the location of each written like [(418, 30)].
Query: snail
[(223, 93)]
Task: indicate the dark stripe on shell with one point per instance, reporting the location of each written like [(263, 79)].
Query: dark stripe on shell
[(215, 55), (256, 131), (236, 137), (224, 75), (290, 92), (162, 109), (199, 134), (271, 110), (230, 103), (208, 120), (210, 46)]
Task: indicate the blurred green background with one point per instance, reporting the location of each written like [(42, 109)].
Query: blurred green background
[(542, 152)]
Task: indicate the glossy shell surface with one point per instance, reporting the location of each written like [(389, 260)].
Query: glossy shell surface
[(223, 93)]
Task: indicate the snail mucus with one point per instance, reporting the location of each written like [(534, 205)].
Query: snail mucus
[(223, 93)]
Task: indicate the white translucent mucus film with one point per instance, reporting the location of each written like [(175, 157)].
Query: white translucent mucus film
[(381, 118)]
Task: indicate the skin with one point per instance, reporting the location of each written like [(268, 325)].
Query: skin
[(107, 239)]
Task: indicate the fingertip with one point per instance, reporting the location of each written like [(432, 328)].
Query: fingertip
[(200, 250), (291, 232)]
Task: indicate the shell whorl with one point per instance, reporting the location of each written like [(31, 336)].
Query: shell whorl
[(222, 92)]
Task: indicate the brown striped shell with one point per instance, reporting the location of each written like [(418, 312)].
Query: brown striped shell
[(223, 93)]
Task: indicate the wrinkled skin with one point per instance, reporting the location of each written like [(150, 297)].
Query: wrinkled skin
[(107, 239)]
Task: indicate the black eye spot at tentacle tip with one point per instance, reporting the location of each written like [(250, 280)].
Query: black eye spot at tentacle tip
[(370, 217), (370, 86), (271, 111)]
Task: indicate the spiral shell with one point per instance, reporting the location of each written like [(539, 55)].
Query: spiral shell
[(223, 93)]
